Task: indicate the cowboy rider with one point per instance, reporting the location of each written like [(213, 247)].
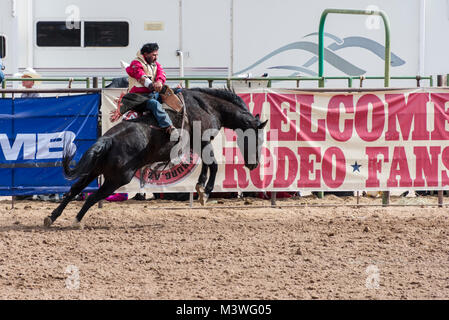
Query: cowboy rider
[(147, 77)]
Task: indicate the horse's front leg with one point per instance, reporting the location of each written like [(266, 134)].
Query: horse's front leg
[(201, 183), (209, 162), (213, 168)]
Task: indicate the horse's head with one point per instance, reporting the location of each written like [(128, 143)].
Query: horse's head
[(250, 142), (234, 114)]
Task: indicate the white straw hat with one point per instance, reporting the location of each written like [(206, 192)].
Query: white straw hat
[(31, 73)]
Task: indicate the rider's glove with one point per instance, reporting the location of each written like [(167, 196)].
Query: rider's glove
[(147, 82)]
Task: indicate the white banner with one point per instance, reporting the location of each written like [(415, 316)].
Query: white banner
[(322, 141)]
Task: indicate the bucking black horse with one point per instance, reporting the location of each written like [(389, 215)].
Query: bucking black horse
[(133, 144)]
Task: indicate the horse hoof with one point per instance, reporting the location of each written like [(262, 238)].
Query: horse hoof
[(48, 222), (202, 197), (77, 224)]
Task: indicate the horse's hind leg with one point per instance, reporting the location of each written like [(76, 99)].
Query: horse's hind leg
[(74, 191), (211, 182), (103, 192)]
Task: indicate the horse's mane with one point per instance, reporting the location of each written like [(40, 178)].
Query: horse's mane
[(225, 94)]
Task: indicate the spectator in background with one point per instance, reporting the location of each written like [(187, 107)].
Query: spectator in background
[(2, 75), (29, 73)]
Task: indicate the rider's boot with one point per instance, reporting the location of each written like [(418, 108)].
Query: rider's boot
[(173, 132)]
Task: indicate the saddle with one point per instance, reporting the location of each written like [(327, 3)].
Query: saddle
[(137, 101), (171, 100)]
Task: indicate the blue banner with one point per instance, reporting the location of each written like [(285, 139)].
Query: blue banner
[(33, 134)]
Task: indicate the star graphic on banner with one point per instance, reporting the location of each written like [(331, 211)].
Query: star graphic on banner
[(356, 167)]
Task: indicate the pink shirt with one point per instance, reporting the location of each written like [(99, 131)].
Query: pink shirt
[(136, 71)]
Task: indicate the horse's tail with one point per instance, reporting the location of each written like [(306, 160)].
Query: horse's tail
[(88, 161)]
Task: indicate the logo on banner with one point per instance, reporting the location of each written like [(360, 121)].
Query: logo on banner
[(36, 146), (161, 174)]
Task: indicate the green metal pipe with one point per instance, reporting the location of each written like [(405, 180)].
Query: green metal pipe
[(356, 12), (105, 79), (385, 195), (51, 79), (228, 81), (349, 79)]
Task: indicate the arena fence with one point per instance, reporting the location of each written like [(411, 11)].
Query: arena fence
[(321, 80), (211, 80)]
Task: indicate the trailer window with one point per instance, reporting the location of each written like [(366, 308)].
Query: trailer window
[(57, 34), (2, 46), (106, 33)]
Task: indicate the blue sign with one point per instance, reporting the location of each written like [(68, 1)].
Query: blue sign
[(33, 135)]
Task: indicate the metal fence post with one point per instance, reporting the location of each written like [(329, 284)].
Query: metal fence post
[(273, 198), (4, 87), (418, 81), (95, 82), (95, 85), (440, 192)]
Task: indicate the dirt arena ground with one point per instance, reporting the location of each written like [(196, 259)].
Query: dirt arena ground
[(142, 250)]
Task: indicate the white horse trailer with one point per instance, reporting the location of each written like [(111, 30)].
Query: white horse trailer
[(89, 38), (9, 28), (223, 37)]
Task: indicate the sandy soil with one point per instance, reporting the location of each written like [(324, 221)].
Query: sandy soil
[(142, 250)]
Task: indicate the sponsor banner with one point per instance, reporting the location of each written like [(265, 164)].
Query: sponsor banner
[(326, 140), (33, 135)]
